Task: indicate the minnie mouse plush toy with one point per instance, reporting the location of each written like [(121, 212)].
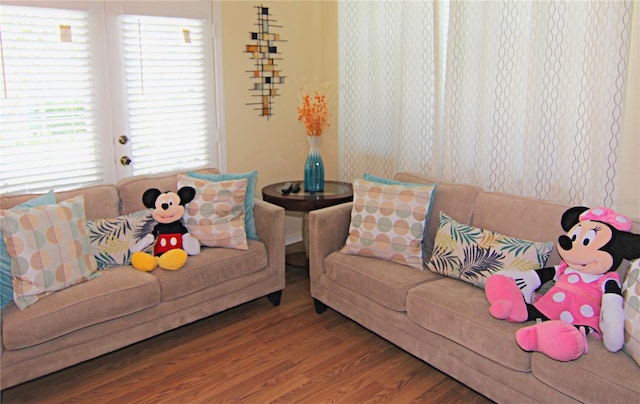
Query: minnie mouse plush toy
[(586, 296)]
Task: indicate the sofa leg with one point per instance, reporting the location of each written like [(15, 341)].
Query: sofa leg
[(274, 297), (319, 306)]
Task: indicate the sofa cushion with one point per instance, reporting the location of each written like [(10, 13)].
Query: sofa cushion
[(49, 249), (459, 311), (388, 221), (472, 254), (114, 240), (458, 200), (521, 217), (631, 294), (119, 291), (599, 376), (210, 267), (99, 200), (132, 188), (385, 282), (215, 216)]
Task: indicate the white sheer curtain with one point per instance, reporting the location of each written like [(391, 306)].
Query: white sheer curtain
[(388, 105), (533, 94)]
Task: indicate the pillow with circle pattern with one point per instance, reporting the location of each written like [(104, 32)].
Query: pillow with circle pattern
[(49, 249), (6, 287), (216, 215), (631, 296), (388, 221), (472, 254), (249, 200)]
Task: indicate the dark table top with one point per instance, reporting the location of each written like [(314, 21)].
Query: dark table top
[(335, 192)]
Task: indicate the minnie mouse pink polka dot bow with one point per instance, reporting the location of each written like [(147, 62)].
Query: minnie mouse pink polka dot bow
[(608, 216)]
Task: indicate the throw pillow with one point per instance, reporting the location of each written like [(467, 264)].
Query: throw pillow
[(6, 287), (114, 240), (472, 254), (631, 295), (49, 249), (388, 221), (249, 200), (382, 180), (388, 181), (216, 215)]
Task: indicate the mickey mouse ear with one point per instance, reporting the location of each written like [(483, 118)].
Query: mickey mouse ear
[(608, 216)]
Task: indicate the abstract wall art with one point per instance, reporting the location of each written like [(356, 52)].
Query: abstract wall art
[(264, 53)]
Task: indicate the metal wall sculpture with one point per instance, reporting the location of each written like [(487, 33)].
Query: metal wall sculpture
[(264, 52)]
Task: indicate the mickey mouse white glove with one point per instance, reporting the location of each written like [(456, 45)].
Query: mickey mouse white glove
[(190, 244)]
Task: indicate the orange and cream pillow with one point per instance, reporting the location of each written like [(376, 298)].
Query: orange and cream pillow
[(216, 215), (49, 249), (388, 221)]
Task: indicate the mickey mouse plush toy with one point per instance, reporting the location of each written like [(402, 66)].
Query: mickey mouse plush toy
[(586, 296), (173, 242)]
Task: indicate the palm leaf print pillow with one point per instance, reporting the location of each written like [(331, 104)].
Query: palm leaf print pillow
[(472, 254), (113, 241)]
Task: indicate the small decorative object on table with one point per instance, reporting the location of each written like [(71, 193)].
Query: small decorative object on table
[(315, 115)]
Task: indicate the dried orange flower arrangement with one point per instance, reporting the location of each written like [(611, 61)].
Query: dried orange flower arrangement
[(314, 114)]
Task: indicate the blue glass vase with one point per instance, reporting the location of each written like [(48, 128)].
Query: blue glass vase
[(313, 167)]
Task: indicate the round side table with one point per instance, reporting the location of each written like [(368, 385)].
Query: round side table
[(335, 193)]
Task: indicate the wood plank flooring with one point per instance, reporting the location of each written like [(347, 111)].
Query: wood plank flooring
[(254, 353)]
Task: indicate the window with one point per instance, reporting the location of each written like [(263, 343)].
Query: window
[(88, 87), (49, 124), (166, 97)]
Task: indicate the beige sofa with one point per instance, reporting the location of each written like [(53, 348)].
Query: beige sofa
[(123, 305), (446, 322)]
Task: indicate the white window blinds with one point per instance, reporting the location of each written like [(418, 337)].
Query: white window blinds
[(48, 124), (166, 92), (86, 85)]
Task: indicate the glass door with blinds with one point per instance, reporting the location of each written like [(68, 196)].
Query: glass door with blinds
[(96, 91)]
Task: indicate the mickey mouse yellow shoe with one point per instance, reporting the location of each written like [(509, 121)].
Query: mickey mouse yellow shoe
[(143, 261), (173, 259)]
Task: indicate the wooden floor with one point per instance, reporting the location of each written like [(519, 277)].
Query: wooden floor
[(254, 353)]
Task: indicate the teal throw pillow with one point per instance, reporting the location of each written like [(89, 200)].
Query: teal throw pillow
[(251, 176), (6, 287), (387, 181)]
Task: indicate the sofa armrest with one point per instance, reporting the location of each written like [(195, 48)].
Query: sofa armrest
[(328, 231), (270, 229)]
